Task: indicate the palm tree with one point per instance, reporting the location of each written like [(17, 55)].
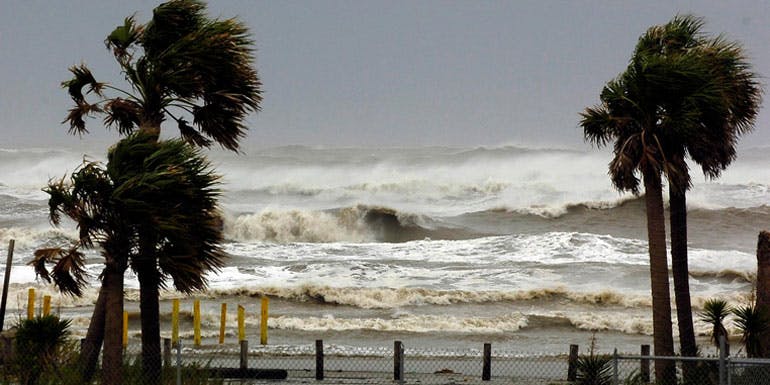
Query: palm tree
[(714, 313), (753, 323), (630, 115), (710, 114), (180, 66), (672, 100), (165, 188), (87, 199)]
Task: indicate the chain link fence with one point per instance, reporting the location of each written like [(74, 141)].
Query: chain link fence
[(318, 362)]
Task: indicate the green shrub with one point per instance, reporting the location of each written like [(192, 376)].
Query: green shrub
[(42, 353), (594, 370)]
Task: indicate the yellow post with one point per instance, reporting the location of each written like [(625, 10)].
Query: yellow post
[(197, 322), (222, 322), (125, 329), (175, 321), (46, 305), (263, 322), (241, 323), (31, 303)]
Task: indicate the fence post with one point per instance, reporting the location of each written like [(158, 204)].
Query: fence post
[(572, 363), (398, 361), (167, 352), (486, 370), (615, 367), (6, 280), (319, 359), (179, 362), (722, 357), (644, 365), (244, 354)]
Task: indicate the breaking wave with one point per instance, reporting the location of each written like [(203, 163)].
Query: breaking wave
[(353, 224)]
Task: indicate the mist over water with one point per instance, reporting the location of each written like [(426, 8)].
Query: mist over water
[(507, 240)]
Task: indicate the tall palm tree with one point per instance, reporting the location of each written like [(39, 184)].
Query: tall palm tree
[(710, 114), (181, 66), (627, 115), (674, 99), (165, 188)]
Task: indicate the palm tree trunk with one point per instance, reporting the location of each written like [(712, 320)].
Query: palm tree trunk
[(661, 298), (149, 282), (89, 354), (680, 272), (112, 361), (763, 283)]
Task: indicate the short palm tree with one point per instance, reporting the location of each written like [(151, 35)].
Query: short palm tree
[(180, 66), (714, 312), (164, 188), (86, 198), (753, 324), (38, 345)]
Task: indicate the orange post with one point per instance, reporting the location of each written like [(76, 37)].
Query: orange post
[(222, 322), (263, 321), (197, 322), (175, 321), (31, 303), (125, 329), (46, 305), (241, 323)]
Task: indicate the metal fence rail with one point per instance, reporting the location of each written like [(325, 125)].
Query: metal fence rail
[(321, 363)]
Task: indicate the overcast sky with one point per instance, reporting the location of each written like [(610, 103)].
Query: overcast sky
[(377, 73)]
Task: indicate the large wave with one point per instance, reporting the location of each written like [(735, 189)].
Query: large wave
[(351, 224)]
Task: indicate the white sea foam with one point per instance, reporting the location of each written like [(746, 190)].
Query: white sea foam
[(297, 226), (406, 323)]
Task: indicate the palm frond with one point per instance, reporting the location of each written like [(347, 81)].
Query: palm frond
[(68, 273), (123, 114), (82, 78), (122, 38)]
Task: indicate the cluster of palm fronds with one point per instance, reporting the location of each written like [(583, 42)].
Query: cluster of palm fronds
[(752, 322)]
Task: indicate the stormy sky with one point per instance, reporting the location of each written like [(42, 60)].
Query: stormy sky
[(377, 73)]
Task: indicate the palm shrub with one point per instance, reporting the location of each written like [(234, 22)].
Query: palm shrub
[(714, 312), (753, 323), (39, 348), (594, 369)]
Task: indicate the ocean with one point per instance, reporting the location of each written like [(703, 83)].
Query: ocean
[(528, 248)]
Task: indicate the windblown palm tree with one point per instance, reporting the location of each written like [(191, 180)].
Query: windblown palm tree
[(180, 66), (710, 114), (680, 95), (164, 188), (87, 199)]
